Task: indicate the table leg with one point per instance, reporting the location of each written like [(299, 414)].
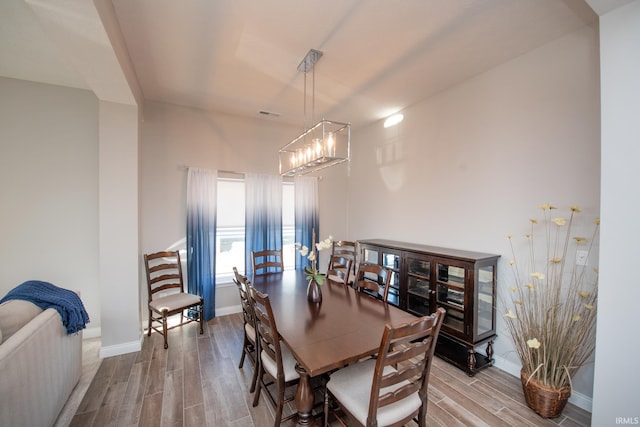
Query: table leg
[(304, 399)]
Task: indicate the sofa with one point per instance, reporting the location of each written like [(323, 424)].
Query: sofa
[(40, 364)]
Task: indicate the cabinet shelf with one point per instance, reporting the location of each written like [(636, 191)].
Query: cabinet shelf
[(451, 305), (421, 292), (463, 282), (456, 286)]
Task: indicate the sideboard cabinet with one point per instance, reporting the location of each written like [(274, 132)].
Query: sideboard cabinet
[(462, 282)]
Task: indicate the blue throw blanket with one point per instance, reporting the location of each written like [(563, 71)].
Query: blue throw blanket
[(45, 295)]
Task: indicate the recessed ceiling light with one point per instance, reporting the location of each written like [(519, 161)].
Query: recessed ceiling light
[(393, 120)]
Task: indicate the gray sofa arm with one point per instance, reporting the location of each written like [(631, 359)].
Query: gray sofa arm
[(39, 367)]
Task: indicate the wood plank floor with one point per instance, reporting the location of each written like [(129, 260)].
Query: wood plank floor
[(196, 382)]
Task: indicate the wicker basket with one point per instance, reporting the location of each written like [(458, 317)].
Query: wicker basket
[(546, 401)]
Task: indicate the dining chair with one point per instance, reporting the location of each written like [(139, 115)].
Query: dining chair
[(276, 359), (339, 269), (249, 344), (347, 249), (391, 389), (166, 295), (374, 280), (267, 261)]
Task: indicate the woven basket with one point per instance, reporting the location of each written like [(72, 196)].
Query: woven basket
[(546, 401)]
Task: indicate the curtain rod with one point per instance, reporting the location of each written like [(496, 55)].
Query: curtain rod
[(185, 167), (224, 171)]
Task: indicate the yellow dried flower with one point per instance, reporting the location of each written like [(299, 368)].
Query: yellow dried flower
[(576, 317), (584, 294), (533, 343), (547, 207), (519, 302), (575, 209), (597, 221), (531, 286), (580, 239), (533, 221), (513, 289), (538, 276), (528, 235), (559, 221), (512, 261), (509, 236), (555, 260), (588, 307), (510, 314)]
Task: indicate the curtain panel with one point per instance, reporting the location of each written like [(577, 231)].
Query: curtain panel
[(201, 236), (306, 214), (263, 215)]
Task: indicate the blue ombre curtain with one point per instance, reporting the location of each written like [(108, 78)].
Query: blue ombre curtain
[(306, 214), (263, 215), (201, 237)]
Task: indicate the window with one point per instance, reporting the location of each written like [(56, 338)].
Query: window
[(288, 226), (230, 227)]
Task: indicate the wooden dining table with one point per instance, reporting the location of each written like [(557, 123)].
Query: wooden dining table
[(343, 328)]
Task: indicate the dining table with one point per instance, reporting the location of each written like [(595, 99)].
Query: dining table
[(343, 328)]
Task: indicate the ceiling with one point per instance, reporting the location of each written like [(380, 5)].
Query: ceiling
[(241, 56)]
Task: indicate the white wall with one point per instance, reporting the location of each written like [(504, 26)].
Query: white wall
[(473, 163), (616, 386), (173, 138), (118, 210), (49, 191)]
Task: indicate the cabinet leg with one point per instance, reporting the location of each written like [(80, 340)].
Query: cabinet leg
[(490, 351), (471, 362)]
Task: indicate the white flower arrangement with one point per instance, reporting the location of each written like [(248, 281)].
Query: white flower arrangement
[(312, 255)]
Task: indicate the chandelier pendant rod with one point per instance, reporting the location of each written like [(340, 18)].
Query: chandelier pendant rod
[(304, 109)]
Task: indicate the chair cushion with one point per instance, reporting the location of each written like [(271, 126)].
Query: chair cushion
[(335, 278), (14, 314), (174, 302), (352, 387), (288, 364), (251, 332)]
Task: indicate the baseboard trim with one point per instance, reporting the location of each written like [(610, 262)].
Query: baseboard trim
[(231, 309), (124, 348), (580, 400)]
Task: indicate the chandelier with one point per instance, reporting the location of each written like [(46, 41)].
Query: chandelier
[(325, 144)]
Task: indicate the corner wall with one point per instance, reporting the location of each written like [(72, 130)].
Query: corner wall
[(49, 191), (616, 386)]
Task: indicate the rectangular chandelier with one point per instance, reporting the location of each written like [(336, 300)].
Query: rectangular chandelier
[(325, 144)]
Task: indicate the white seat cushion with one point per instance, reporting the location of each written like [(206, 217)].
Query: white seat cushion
[(174, 302), (288, 363), (335, 278), (251, 332), (352, 387)]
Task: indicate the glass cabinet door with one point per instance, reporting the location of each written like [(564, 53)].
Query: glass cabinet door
[(485, 300), (450, 295), (370, 256), (419, 286), (391, 261)]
